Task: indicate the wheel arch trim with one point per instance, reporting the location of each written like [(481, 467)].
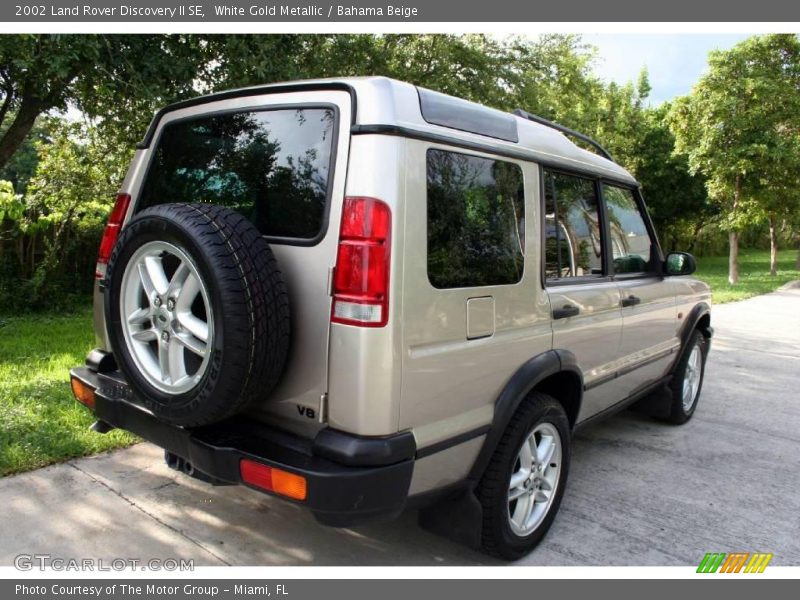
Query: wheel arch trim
[(692, 322), (522, 382)]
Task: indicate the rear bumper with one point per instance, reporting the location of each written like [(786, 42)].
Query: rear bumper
[(349, 479)]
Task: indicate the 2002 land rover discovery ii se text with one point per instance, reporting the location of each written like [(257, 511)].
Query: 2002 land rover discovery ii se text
[(361, 296)]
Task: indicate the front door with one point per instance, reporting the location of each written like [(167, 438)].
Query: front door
[(649, 314), (584, 299)]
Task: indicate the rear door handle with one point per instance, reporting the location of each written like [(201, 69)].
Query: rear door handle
[(631, 300), (566, 311)]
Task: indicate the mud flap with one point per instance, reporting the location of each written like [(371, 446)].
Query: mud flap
[(656, 404), (458, 519)]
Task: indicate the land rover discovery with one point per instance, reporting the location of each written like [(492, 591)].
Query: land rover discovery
[(362, 296)]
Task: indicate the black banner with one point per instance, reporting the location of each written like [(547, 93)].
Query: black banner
[(439, 11)]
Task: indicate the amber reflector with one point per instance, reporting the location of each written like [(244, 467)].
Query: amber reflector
[(83, 393)]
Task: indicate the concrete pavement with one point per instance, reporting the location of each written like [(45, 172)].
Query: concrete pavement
[(640, 492)]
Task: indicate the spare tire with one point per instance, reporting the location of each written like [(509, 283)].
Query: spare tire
[(197, 312)]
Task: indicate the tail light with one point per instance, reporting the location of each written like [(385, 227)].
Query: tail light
[(111, 233), (272, 479), (361, 277)]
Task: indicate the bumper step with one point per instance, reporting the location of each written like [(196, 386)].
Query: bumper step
[(338, 494)]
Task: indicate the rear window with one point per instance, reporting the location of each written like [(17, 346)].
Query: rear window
[(272, 166)]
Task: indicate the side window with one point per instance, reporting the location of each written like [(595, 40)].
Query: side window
[(630, 241), (573, 243), (476, 220)]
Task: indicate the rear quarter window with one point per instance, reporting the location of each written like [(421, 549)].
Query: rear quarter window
[(272, 166), (476, 220)]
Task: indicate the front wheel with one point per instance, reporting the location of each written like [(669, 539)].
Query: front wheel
[(688, 379), (523, 485)]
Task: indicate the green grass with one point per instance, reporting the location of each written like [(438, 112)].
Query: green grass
[(40, 422), (754, 277)]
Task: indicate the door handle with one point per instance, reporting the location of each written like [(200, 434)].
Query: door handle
[(631, 300), (566, 311)]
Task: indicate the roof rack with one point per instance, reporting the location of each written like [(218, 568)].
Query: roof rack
[(565, 130)]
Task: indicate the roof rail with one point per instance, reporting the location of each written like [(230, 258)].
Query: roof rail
[(565, 130)]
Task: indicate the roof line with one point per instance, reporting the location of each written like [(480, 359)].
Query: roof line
[(566, 130)]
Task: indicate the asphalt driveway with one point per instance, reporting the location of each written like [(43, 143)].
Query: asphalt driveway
[(640, 493)]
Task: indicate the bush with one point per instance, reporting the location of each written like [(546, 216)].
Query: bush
[(49, 237)]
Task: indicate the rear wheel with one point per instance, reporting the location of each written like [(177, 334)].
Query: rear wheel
[(523, 485)]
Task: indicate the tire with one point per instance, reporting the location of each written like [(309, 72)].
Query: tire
[(500, 536), (681, 408), (197, 312)]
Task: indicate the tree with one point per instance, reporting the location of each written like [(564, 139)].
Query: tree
[(22, 165), (67, 203), (733, 124), (467, 66), (677, 199), (119, 78), (776, 62)]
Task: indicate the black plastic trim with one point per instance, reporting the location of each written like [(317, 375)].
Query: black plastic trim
[(689, 325), (101, 361), (357, 451), (452, 442), (338, 495), (519, 153), (534, 371), (260, 90)]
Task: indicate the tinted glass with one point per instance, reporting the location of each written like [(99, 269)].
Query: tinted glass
[(439, 109), (476, 221), (573, 246), (630, 240), (271, 166)]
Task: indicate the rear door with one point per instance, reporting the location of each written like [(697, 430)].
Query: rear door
[(584, 299), (473, 308), (280, 160), (649, 313)]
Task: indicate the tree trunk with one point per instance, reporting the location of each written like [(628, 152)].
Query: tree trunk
[(21, 253), (6, 105), (733, 238), (33, 253), (733, 258), (773, 247), (19, 129), (696, 232)]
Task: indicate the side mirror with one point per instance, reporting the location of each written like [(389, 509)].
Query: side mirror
[(679, 263)]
